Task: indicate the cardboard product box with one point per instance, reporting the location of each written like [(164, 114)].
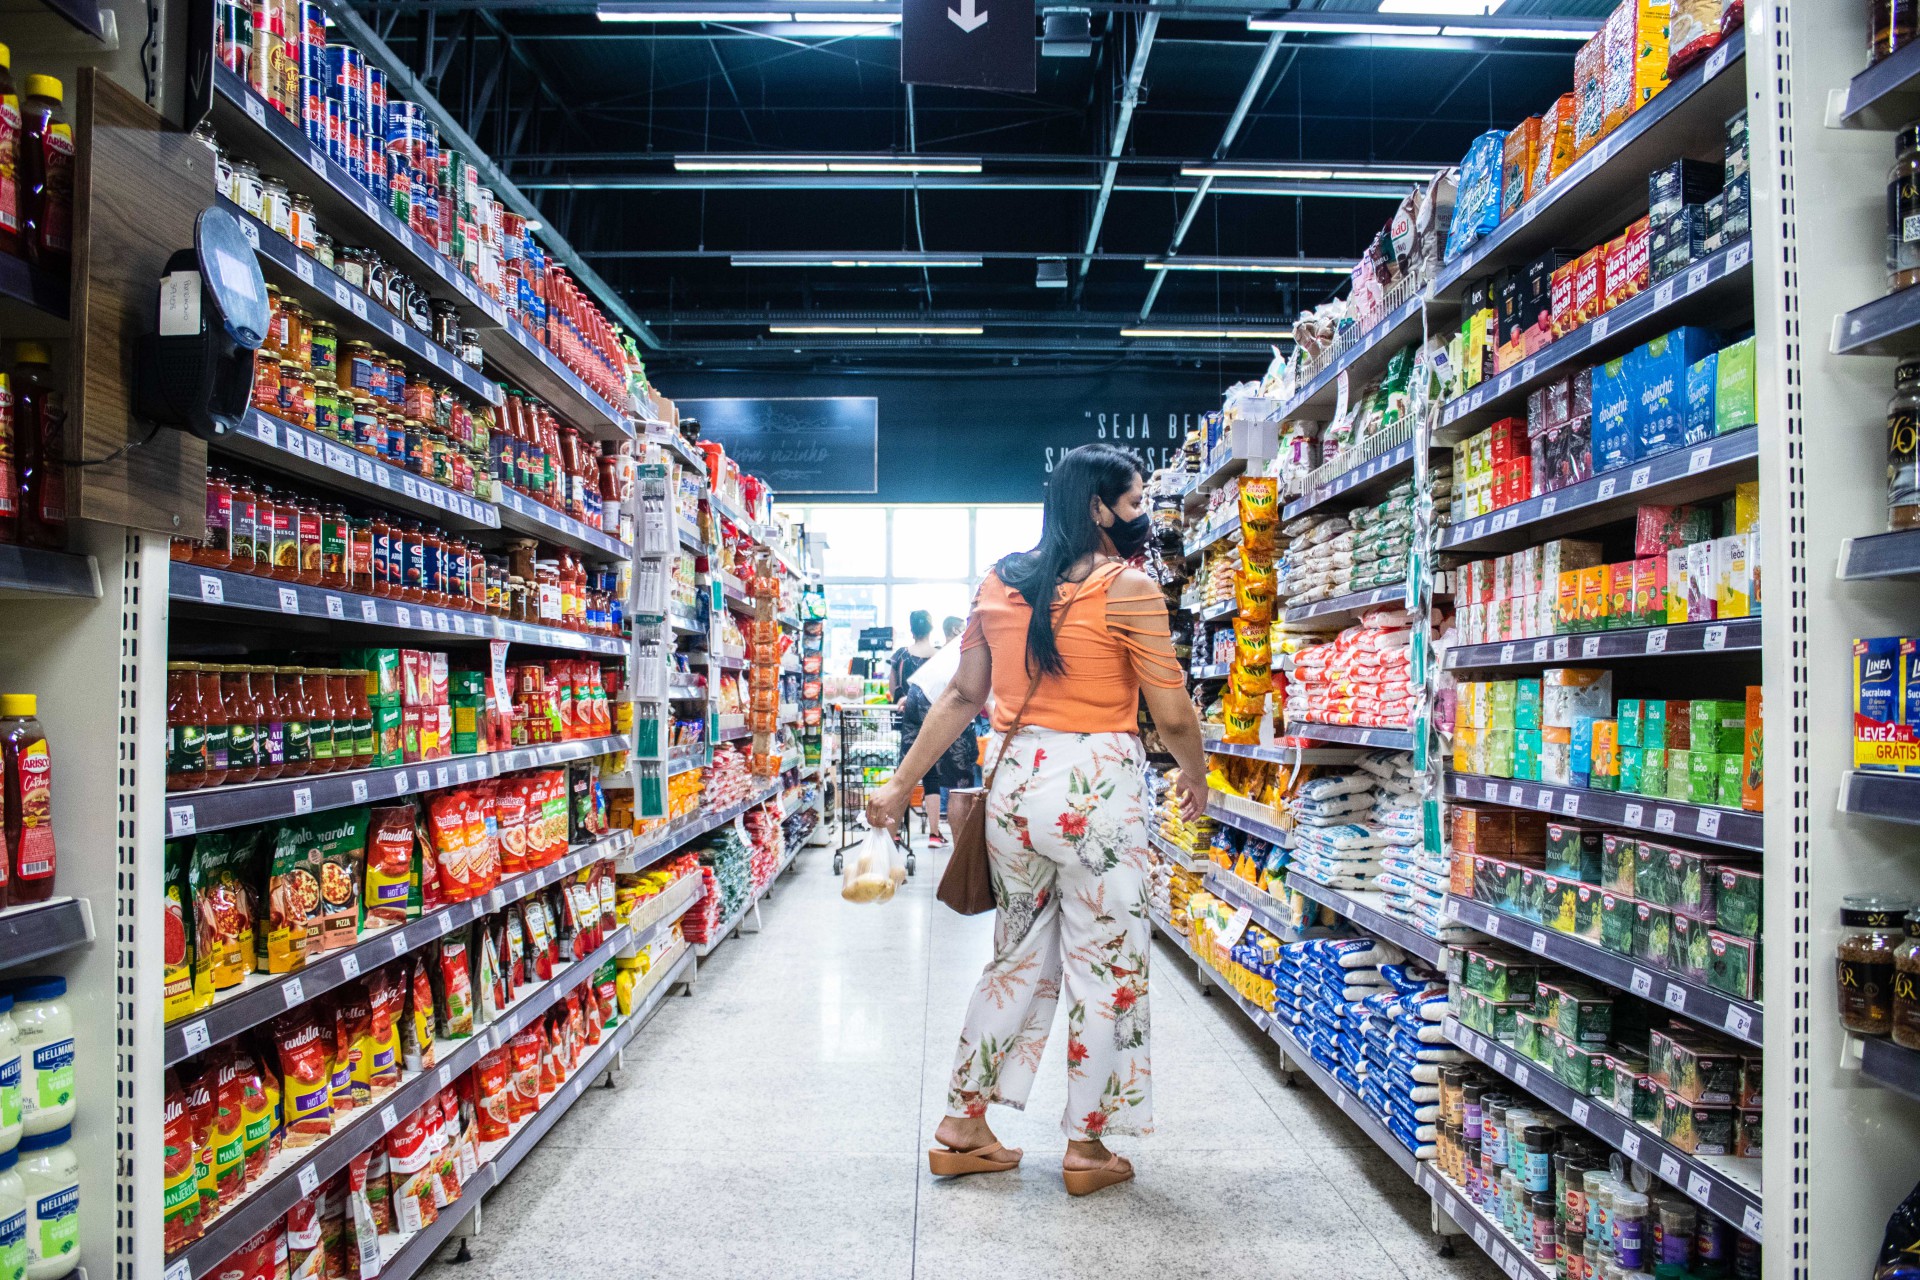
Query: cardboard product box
[(1735, 399), (1716, 724), (1687, 954), (1735, 968), (1651, 590), (1560, 293), (1697, 418), (1582, 743), (1517, 153), (1508, 439), (1653, 716), (1497, 745), (1678, 585), (1479, 831), (1616, 426), (1746, 507), (1679, 772), (1697, 1129), (1690, 882), (1562, 554), (1574, 852), (1659, 376), (1753, 755), (1716, 209), (1649, 49), (1634, 269), (1526, 704), (1628, 713), (1567, 693), (1703, 777), (1733, 149), (1606, 755), (1659, 529), (1620, 595), (1630, 765), (1732, 771), (1653, 771), (1675, 240), (410, 735), (382, 668), (389, 735), (1589, 286), (1586, 912), (1680, 183), (1530, 836), (1594, 583), (1650, 872), (1738, 901), (1679, 723), (1652, 934), (1556, 759), (1702, 583), (1738, 199), (1733, 577)]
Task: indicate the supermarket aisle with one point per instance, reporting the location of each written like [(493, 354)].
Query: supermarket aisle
[(774, 1125)]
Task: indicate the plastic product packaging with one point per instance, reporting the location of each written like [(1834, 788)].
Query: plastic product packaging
[(869, 875), (1476, 210)]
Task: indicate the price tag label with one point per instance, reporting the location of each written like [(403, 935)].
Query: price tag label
[(1600, 326), (1549, 505), (1707, 824), (1750, 1221), (1642, 983), (196, 1037), (349, 965), (1630, 1145), (1657, 640), (303, 799), (401, 782), (1544, 801), (1697, 278), (336, 607), (379, 476), (1589, 646), (498, 898), (358, 305), (1493, 924), (1674, 997), (445, 922), (309, 1180), (211, 590), (1506, 654), (460, 772), (403, 614), (252, 232), (1500, 1061), (292, 992), (317, 160), (303, 267), (1480, 1234), (1521, 1074), (399, 334), (266, 430), (1716, 62), (1581, 1110), (1492, 791), (1606, 489), (341, 293), (1514, 797), (1715, 638), (1739, 256), (388, 1118), (369, 611), (1639, 478), (459, 625), (1738, 1021), (1540, 650), (1538, 943), (255, 112), (1570, 805), (1663, 820), (444, 1077), (1663, 295), (1562, 647), (181, 819), (399, 944), (441, 618), (1670, 1167)]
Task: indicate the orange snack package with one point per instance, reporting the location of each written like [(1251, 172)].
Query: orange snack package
[(1517, 156)]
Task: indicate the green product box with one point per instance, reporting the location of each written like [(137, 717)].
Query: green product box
[(466, 726), (1653, 771), (382, 668), (1735, 400), (1616, 923), (1491, 879), (1627, 1067), (1619, 856), (1731, 768), (1717, 725), (1737, 901), (1576, 1064), (1586, 912), (1653, 722), (1573, 852), (1652, 934), (1500, 703), (1705, 1071), (389, 744), (1690, 883), (1660, 1057), (1502, 974), (1474, 1010), (1703, 777), (1679, 767), (1648, 1099), (1688, 955), (1650, 873), (1526, 704), (1734, 965), (467, 684), (1498, 745), (1631, 714), (1557, 903), (1600, 1077), (1529, 1037), (1632, 764), (1526, 754), (1584, 1015), (1697, 1129)]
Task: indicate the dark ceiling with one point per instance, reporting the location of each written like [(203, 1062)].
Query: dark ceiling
[(585, 117)]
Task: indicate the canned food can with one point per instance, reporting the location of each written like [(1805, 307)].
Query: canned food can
[(376, 103), (347, 81), (266, 37), (399, 193), (356, 147), (233, 34), (376, 164), (336, 140)]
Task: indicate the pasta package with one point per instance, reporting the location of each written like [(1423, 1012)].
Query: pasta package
[(308, 1072), (390, 868), (1259, 511)]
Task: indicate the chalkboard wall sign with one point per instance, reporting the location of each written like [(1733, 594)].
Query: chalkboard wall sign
[(825, 444), (987, 437)]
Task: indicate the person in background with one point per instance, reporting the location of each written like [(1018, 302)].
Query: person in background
[(912, 706), (1066, 817), (951, 627)]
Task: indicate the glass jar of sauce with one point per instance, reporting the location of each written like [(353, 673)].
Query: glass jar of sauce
[(186, 729), (334, 537), (320, 722), (1903, 211), (1892, 25), (307, 532), (219, 725), (1873, 925), (360, 555), (243, 727), (297, 718), (271, 745)]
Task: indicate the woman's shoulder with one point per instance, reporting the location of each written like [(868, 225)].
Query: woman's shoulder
[(1129, 583)]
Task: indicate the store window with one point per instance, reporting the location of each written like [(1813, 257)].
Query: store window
[(881, 563)]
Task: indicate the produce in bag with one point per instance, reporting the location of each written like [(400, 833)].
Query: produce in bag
[(868, 875)]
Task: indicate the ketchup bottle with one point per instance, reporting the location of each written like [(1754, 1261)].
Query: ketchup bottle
[(28, 761), (40, 421)]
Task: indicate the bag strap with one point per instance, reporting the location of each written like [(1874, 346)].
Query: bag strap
[(1006, 738)]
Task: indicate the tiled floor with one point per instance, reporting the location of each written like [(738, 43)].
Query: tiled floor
[(774, 1125)]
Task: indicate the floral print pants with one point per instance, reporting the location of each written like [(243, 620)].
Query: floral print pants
[(1067, 841)]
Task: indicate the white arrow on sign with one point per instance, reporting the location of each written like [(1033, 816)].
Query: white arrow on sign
[(967, 18)]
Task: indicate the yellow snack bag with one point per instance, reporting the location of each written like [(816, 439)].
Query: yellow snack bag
[(1254, 595), (1252, 644), (1240, 728), (1259, 511)]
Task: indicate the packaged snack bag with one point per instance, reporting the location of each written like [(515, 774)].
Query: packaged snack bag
[(1517, 158), (180, 1186), (390, 885), (1259, 511), (1553, 149)]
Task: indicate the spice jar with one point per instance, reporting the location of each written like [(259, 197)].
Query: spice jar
[(243, 728), (1903, 211), (324, 250), (304, 228), (247, 190), (351, 264), (1872, 925)]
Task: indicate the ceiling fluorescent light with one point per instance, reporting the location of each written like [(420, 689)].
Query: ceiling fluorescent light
[(902, 166), (1279, 175), (693, 15), (1281, 266), (1575, 34), (855, 260), (1441, 8), (1301, 26), (871, 19), (879, 330), (824, 164), (1262, 335)]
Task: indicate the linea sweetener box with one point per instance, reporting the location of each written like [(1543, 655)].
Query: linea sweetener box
[(1883, 737)]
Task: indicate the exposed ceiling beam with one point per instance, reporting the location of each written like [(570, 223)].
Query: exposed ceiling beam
[(1128, 101), (1232, 131), (952, 182), (999, 318)]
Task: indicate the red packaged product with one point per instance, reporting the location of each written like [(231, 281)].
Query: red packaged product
[(432, 895), (306, 1260), (551, 1071), (200, 1112), (379, 1189), (493, 1108), (1589, 286), (254, 1260), (408, 1161), (352, 1026), (180, 1175), (510, 826), (446, 819), (524, 1099), (386, 1004), (482, 857)]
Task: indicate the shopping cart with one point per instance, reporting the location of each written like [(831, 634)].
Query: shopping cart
[(869, 748)]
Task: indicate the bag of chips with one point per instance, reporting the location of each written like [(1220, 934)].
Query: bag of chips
[(1259, 511), (1252, 644)]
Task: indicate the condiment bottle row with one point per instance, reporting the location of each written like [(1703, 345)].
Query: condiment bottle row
[(33, 435), (255, 527)]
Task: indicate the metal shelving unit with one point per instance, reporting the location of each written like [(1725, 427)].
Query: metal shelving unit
[(1354, 602), (1367, 909), (27, 572), (1735, 828), (1381, 471), (1353, 735), (1738, 635)]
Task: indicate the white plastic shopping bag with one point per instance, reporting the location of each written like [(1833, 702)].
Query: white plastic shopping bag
[(868, 875)]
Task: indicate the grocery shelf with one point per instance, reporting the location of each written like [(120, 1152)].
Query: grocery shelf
[(653, 431), (1244, 815), (1884, 96), (90, 18), (266, 996), (1268, 911), (1216, 671), (350, 309), (691, 542), (733, 592), (1735, 828), (1887, 326), (1679, 475), (686, 761), (1353, 602), (662, 910), (1607, 187), (36, 930), (1711, 288), (31, 571), (1727, 1186), (688, 827), (1503, 1250), (1381, 471), (732, 733), (1282, 752), (1744, 1020), (1215, 612), (299, 1169), (310, 456), (1881, 555), (1353, 735), (1224, 469), (1872, 793), (1361, 360), (1737, 635), (512, 349), (1888, 1064), (685, 625), (702, 658), (1367, 909), (39, 296), (222, 589), (525, 515), (1174, 853), (215, 808), (1215, 532)]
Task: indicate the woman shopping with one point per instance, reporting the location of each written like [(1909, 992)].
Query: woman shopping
[(1067, 813)]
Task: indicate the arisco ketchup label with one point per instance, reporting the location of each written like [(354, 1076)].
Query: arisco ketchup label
[(36, 812), (10, 163), (56, 223)]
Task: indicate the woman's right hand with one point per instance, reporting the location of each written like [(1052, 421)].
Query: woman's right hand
[(1190, 793), (887, 805)]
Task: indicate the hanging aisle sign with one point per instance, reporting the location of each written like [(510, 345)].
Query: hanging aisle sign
[(968, 44)]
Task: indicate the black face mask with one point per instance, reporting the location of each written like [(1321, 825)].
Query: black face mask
[(1130, 536)]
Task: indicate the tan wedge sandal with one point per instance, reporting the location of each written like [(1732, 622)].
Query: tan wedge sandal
[(950, 1162), (1084, 1182)]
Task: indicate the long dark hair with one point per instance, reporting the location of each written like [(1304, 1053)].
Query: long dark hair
[(1067, 532)]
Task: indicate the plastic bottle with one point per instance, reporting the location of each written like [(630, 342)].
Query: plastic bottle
[(10, 241), (28, 761), (1630, 1230), (40, 438), (45, 1023), (10, 1074), (9, 463), (49, 1171), (46, 176), (13, 1215)]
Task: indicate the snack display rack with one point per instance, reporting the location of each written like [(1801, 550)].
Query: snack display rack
[(1810, 283)]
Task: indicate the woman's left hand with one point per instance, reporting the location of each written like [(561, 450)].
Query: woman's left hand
[(887, 805), (1190, 793)]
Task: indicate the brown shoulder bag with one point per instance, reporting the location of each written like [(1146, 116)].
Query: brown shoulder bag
[(967, 883)]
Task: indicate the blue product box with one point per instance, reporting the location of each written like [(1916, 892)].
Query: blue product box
[(1616, 431), (1660, 386), (1581, 753), (1701, 375)]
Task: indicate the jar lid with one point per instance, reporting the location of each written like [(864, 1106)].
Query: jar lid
[(1906, 371), (51, 1138), (39, 988), (1874, 917), (1909, 138)]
